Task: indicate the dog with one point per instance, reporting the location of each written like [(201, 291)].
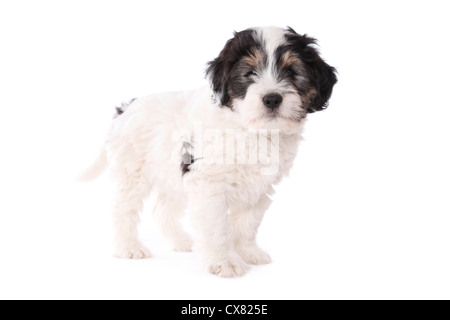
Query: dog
[(216, 151)]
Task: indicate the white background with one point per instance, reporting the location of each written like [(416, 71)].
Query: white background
[(365, 213)]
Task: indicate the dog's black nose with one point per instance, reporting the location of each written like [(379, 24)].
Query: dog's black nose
[(272, 100)]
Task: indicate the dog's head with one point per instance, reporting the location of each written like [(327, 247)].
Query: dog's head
[(272, 77)]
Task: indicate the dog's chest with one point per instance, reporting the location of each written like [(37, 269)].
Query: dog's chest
[(253, 162), (246, 184)]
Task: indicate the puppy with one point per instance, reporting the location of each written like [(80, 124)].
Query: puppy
[(216, 151)]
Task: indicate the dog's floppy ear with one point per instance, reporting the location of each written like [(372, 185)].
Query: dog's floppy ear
[(321, 75), (218, 71)]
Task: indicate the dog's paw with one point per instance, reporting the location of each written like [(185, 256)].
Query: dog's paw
[(134, 250), (229, 266), (254, 255)]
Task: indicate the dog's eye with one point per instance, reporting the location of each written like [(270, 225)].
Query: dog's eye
[(251, 74), (290, 73)]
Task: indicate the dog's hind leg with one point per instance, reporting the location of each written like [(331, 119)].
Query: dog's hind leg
[(132, 188), (168, 212)]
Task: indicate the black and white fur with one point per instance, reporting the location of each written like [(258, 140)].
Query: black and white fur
[(216, 151)]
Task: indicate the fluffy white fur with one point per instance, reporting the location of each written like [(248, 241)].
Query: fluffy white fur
[(227, 189)]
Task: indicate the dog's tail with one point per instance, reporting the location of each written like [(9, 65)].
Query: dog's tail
[(96, 169), (101, 163)]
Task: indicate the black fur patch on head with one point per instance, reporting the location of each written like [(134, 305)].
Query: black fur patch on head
[(292, 69), (230, 72), (321, 76)]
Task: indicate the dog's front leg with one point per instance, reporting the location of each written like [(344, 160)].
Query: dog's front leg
[(209, 215), (245, 222)]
